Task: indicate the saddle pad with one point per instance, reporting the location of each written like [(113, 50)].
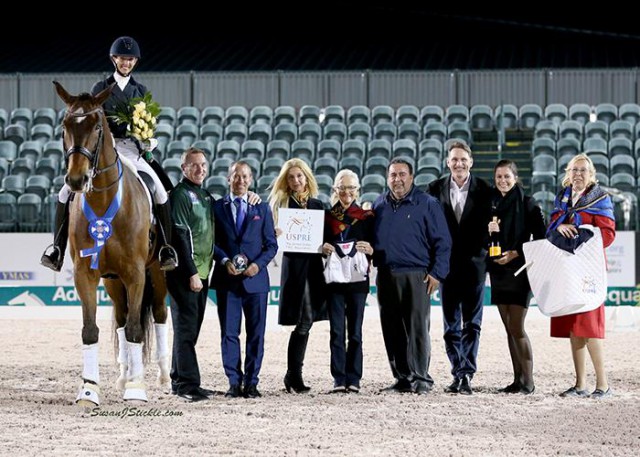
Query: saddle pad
[(565, 283), (346, 264)]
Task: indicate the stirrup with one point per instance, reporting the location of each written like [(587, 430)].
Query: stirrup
[(53, 260), (171, 260)]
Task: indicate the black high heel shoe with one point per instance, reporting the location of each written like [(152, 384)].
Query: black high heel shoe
[(295, 383)]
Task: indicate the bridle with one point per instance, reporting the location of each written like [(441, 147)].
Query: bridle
[(94, 156)]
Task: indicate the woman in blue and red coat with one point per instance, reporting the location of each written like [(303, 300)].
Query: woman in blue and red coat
[(583, 201)]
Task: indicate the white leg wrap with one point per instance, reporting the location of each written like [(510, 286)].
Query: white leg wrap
[(89, 393), (135, 388), (135, 371), (122, 346), (90, 371), (162, 340), (122, 358), (162, 355)]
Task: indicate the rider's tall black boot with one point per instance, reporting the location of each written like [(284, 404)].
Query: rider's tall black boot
[(54, 259), (168, 255)]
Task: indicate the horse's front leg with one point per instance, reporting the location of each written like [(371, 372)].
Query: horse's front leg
[(86, 284), (135, 388)]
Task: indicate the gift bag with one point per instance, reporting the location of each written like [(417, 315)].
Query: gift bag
[(567, 283)]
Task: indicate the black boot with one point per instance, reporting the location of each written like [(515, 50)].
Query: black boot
[(60, 237), (295, 358), (168, 256)]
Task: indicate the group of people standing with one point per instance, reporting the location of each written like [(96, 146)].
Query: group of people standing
[(420, 240)]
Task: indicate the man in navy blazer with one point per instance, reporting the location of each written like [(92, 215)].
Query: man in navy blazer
[(466, 200), (241, 279)]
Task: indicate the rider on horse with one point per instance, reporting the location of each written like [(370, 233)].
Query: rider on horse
[(124, 54)]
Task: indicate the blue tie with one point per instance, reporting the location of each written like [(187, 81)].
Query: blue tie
[(239, 213)]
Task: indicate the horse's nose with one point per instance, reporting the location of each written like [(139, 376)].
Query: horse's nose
[(76, 183)]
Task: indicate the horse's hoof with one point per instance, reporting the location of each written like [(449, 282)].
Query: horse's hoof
[(135, 391), (163, 383), (88, 395)]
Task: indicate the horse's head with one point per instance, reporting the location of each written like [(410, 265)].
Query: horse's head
[(84, 127)]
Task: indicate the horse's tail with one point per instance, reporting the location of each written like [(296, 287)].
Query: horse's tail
[(146, 316)]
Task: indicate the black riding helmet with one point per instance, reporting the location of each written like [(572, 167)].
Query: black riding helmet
[(124, 46)]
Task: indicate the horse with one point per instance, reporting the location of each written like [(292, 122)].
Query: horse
[(112, 237)]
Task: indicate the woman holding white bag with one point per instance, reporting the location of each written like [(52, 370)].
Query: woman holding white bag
[(583, 201)]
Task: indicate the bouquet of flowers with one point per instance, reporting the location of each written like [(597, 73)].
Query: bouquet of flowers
[(140, 116)]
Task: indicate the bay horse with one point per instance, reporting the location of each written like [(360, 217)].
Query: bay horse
[(111, 237)]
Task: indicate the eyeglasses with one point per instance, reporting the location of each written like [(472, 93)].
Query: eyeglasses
[(582, 171), (343, 188)]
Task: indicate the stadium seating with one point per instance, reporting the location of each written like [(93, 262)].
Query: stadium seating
[(285, 131), (334, 114), (354, 148), (359, 113), (260, 132), (212, 115), (261, 115), (431, 113), (606, 112), (303, 149), (29, 212), (435, 131), (382, 113), (351, 163), (8, 216), (381, 148), (506, 115), (629, 112), (385, 131), (278, 149), (284, 115), (309, 114), (530, 114), (188, 115), (556, 112), (38, 185), (481, 118), (407, 113), (21, 116), (580, 112)]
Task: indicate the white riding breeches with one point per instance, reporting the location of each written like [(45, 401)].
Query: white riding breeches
[(127, 148), (129, 153)]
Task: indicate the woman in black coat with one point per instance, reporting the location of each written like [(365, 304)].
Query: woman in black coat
[(348, 234), (519, 219), (302, 286)]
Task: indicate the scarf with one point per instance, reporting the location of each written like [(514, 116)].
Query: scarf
[(594, 201), (340, 219), (511, 213)]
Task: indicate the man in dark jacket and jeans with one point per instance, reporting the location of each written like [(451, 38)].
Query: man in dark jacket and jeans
[(411, 250)]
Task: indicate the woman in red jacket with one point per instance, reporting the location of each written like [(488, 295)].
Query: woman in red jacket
[(583, 201)]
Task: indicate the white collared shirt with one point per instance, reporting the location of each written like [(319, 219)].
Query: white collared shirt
[(459, 194), (121, 80)]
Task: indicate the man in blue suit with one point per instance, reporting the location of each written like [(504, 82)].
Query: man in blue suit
[(466, 200), (245, 243)]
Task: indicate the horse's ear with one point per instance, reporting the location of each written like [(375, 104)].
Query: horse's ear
[(104, 94), (62, 92)]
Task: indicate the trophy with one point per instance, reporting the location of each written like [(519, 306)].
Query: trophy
[(240, 261)]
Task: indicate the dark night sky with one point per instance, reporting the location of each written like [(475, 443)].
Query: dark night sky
[(334, 36)]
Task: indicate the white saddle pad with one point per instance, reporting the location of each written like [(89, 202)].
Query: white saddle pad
[(565, 283)]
